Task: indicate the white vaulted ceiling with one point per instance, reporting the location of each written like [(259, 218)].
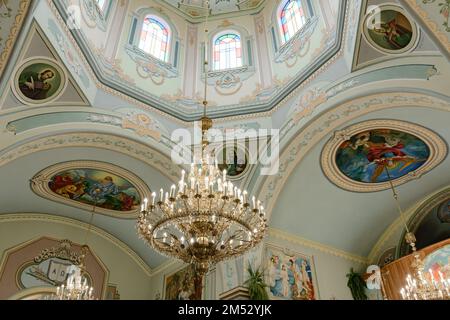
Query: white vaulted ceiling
[(337, 82)]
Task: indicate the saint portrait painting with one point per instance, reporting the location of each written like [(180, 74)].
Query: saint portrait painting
[(39, 81), (389, 30)]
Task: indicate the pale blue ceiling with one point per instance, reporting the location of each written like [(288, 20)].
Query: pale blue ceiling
[(310, 206), (17, 196)]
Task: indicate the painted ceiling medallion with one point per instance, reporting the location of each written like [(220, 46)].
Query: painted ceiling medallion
[(388, 29), (355, 158), (83, 184), (38, 81)]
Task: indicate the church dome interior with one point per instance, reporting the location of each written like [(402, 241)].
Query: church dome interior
[(157, 149)]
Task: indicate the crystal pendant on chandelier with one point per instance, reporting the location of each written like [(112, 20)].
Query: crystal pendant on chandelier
[(205, 219)]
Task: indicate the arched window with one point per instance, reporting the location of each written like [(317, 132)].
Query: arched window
[(292, 18), (227, 51), (102, 4), (155, 37)]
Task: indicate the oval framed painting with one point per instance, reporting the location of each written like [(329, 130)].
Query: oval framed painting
[(389, 29), (365, 156), (39, 81), (234, 160), (113, 191)]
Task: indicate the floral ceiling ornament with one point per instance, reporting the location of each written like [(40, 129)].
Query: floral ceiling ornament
[(62, 251), (308, 102)]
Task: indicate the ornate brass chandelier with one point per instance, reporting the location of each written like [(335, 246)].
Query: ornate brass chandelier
[(421, 285), (205, 219)]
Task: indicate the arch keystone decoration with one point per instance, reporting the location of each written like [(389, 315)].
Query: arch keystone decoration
[(411, 151)]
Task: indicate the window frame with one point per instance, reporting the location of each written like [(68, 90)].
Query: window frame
[(278, 34), (213, 44), (169, 36), (174, 60)]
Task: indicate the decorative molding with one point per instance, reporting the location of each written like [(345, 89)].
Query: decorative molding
[(417, 217), (397, 224), (140, 123), (40, 185), (293, 153), (250, 108), (63, 251), (40, 217), (282, 235), (437, 153), (123, 145), (440, 36), (371, 16), (14, 29)]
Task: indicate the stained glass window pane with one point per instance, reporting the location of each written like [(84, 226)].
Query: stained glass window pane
[(227, 52), (155, 38), (292, 18)]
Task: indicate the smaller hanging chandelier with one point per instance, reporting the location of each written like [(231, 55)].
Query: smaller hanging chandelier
[(421, 285), (205, 219), (76, 286)]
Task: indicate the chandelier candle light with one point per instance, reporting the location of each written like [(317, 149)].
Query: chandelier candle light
[(77, 287), (420, 285), (205, 218)]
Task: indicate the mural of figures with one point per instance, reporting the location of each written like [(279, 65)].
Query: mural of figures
[(389, 30), (96, 187), (39, 81), (290, 277), (181, 285), (439, 263), (363, 158), (234, 161)]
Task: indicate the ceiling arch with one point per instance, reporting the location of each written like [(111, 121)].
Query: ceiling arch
[(309, 136), (320, 205)]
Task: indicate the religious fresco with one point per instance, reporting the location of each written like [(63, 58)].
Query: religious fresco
[(290, 276), (181, 285), (389, 30), (439, 263), (98, 187), (85, 184), (365, 155), (39, 81)]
